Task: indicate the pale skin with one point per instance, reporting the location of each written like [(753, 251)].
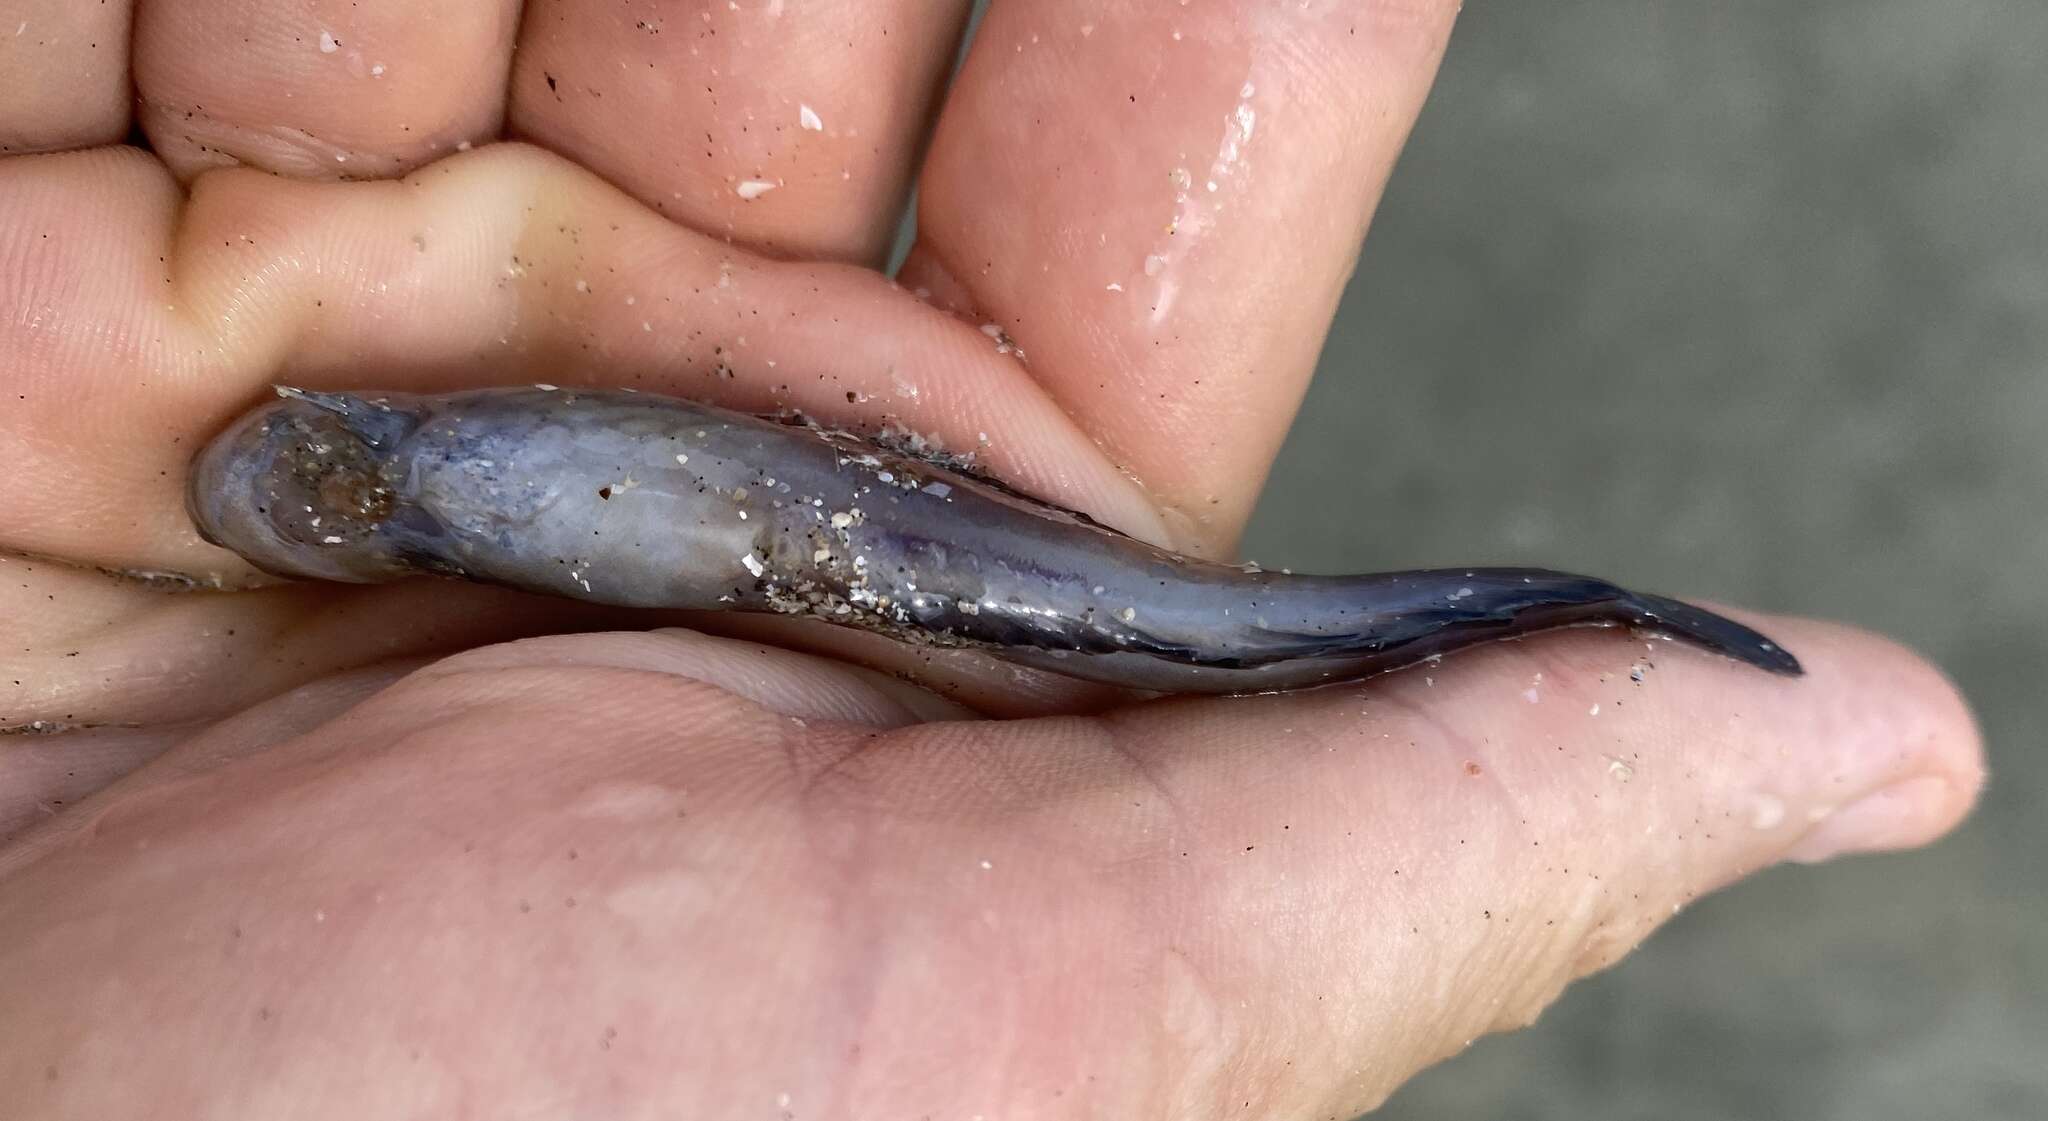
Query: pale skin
[(438, 851)]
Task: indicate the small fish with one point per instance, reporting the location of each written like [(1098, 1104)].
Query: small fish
[(638, 500)]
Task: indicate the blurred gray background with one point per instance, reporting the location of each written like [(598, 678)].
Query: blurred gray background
[(1749, 300)]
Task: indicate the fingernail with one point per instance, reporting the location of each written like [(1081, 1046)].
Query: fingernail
[(1893, 817)]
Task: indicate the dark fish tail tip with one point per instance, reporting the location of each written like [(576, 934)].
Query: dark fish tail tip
[(1715, 632)]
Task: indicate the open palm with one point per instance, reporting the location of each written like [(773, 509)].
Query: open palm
[(296, 851)]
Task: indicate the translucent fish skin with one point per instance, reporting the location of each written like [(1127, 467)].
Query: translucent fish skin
[(643, 501)]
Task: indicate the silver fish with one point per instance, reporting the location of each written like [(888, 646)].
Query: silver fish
[(637, 500)]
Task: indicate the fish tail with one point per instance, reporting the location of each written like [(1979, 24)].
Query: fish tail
[(1715, 632), (1398, 617)]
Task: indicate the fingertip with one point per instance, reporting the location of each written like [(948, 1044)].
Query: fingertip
[(1912, 744), (1873, 746), (1525, 813)]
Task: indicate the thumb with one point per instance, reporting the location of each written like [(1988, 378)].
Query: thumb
[(1370, 878)]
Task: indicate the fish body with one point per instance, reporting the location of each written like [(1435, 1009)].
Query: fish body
[(638, 500)]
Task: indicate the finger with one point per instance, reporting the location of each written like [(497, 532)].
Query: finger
[(1444, 851), (96, 649), (326, 89), (788, 129), (980, 682), (48, 772), (1287, 904), (760, 684), (45, 773), (151, 657), (1161, 204), (291, 713), (63, 75), (502, 266), (802, 686)]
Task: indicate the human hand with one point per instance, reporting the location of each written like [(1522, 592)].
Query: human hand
[(623, 874)]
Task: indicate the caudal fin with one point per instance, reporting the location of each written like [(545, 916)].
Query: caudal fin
[(1715, 632), (1395, 618)]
